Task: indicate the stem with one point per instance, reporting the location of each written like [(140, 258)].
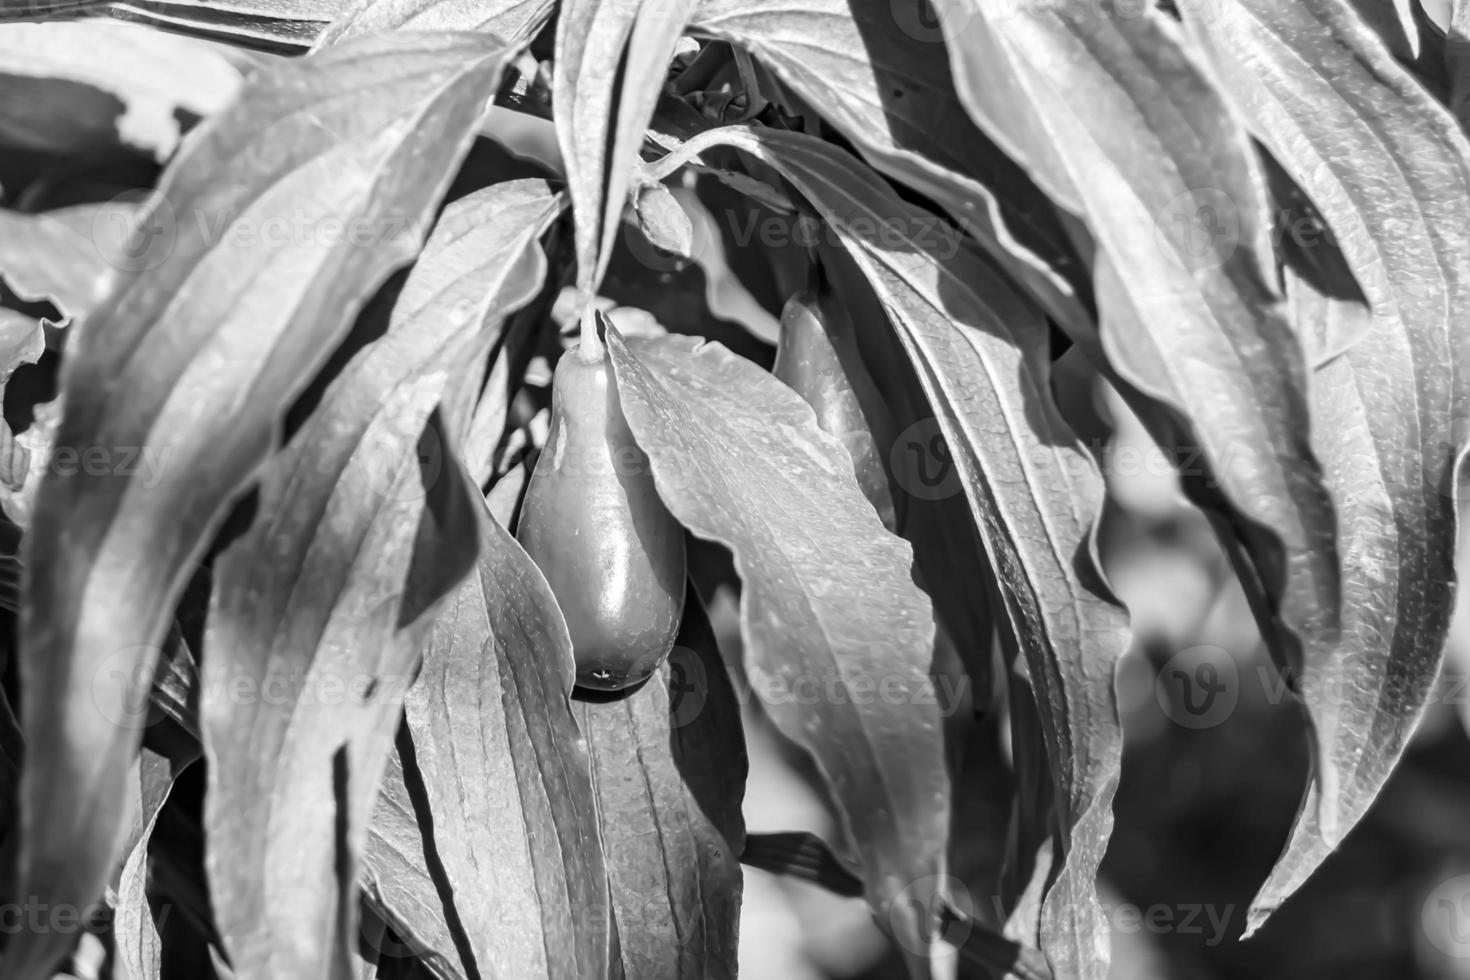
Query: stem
[(590, 350)]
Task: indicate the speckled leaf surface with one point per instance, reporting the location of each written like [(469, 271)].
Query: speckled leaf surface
[(828, 603), (1390, 171), (192, 363), (668, 764), (877, 71), (980, 351)]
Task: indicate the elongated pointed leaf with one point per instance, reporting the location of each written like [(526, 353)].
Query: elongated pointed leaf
[(304, 593), (139, 947), (288, 26), (513, 21), (193, 358), (1390, 171), (399, 882), (69, 256), (878, 72), (507, 778), (828, 602), (668, 762), (980, 351), (604, 98), (1191, 317)]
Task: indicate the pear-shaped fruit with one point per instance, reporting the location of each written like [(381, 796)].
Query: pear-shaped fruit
[(807, 361), (594, 524)]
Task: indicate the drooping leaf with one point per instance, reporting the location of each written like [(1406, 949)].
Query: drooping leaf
[(139, 947), (980, 351), (668, 763), (316, 589), (878, 72), (60, 97), (1191, 316), (69, 256), (827, 600), (513, 21), (288, 26), (1390, 171), (193, 357), (22, 341), (611, 59), (506, 775)]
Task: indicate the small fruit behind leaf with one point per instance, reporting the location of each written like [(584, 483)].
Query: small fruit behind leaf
[(594, 524), (808, 362)]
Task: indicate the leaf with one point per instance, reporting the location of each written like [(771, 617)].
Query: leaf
[(287, 26), (738, 458), (669, 766), (515, 22), (60, 97), (603, 99), (878, 73), (22, 341), (506, 775), (1390, 171), (139, 947), (191, 360), (313, 593), (663, 222), (981, 353), (397, 882), (1185, 276), (69, 256)]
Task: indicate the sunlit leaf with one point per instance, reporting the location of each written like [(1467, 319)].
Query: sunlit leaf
[(363, 504), (1390, 171), (878, 72), (981, 352), (190, 364), (611, 59), (828, 604), (513, 21), (668, 763), (506, 776)]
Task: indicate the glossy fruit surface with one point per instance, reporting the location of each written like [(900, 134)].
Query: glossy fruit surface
[(594, 524), (808, 362)]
